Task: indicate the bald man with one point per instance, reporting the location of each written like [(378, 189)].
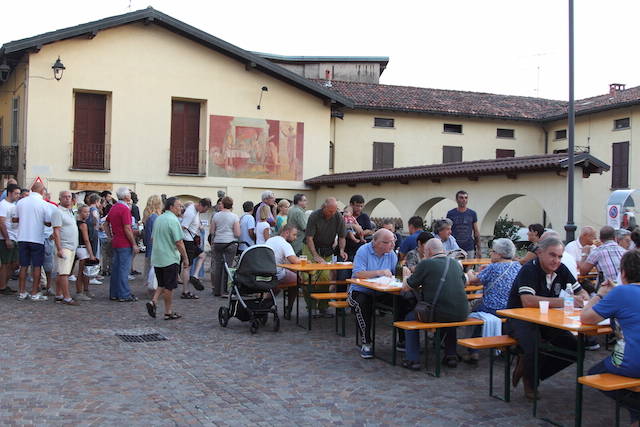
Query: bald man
[(32, 215), (373, 259), (323, 226)]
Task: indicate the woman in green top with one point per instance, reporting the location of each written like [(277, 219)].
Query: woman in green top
[(281, 218)]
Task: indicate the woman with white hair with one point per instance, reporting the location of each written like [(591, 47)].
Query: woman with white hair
[(496, 279)]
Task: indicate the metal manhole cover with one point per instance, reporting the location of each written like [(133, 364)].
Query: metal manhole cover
[(141, 337)]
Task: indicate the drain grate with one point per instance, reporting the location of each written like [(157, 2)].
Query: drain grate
[(141, 337)]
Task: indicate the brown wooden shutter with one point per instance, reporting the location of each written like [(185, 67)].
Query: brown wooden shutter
[(451, 154), (382, 155), (89, 131), (620, 165), (502, 153), (185, 137)]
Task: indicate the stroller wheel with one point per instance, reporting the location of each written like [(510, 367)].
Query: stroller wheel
[(223, 316), (276, 322), (254, 326)]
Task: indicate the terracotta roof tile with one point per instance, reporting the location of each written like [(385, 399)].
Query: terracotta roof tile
[(370, 96), (509, 165)]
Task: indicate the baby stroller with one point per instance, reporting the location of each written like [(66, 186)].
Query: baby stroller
[(247, 284)]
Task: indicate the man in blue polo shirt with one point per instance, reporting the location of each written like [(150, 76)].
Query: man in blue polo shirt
[(416, 226), (374, 259)]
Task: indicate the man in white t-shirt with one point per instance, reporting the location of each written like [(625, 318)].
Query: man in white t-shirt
[(582, 246), (8, 237), (247, 227), (285, 254), (32, 215), (190, 223)]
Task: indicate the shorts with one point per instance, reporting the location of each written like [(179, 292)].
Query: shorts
[(47, 265), (82, 253), (8, 256), (65, 265), (167, 277), (192, 250), (30, 254)]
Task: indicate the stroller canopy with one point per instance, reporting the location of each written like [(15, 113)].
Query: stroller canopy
[(257, 269)]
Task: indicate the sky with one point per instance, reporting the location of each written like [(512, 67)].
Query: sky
[(515, 47)]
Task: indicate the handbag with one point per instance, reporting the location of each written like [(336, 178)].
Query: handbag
[(425, 311), (196, 243), (475, 303)]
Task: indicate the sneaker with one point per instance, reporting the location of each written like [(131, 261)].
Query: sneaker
[(400, 346), (132, 298), (95, 281), (59, 298), (8, 291), (196, 283), (592, 347), (23, 296), (131, 277), (366, 352), (135, 272), (72, 278), (39, 297), (70, 302), (82, 297)]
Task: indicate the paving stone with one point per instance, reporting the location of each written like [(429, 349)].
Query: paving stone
[(65, 366)]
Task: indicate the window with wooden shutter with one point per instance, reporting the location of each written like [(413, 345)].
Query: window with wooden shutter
[(502, 153), (381, 122), (451, 154), (620, 165), (185, 137), (382, 155), (452, 128), (505, 133), (89, 131), (15, 120)]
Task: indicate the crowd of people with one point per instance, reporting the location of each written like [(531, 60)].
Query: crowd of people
[(51, 240)]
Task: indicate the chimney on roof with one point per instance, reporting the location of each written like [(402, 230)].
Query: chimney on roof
[(615, 88), (327, 77)]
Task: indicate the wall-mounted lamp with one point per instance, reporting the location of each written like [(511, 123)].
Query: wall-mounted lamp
[(263, 90), (58, 69), (4, 71)]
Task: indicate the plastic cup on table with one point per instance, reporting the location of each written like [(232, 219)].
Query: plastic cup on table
[(544, 307), (303, 260)]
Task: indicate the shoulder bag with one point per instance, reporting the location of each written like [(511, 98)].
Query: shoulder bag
[(425, 311)]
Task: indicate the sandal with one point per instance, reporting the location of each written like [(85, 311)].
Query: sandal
[(172, 316), (151, 309), (189, 295)]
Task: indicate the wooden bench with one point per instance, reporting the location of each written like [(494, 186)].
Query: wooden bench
[(471, 297), (611, 382), (473, 288), (502, 342), (341, 311), (328, 295), (412, 325)]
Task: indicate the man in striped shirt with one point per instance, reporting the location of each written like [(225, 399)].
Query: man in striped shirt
[(606, 257)]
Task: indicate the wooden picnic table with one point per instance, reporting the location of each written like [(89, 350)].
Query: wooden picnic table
[(475, 261), (559, 319), (310, 267)]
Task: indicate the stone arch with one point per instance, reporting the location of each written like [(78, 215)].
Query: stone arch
[(427, 206), (372, 204), (492, 214)]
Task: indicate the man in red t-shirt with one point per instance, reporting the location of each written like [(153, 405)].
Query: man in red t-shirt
[(123, 244)]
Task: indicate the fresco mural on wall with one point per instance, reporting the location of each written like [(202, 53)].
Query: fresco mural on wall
[(241, 147)]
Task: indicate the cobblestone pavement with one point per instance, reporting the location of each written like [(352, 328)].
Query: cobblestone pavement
[(64, 365)]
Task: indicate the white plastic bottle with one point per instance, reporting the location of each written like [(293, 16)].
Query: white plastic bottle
[(568, 299)]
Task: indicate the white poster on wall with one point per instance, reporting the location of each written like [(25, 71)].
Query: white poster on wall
[(613, 216)]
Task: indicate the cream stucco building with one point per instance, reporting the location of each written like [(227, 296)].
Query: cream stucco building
[(154, 104)]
